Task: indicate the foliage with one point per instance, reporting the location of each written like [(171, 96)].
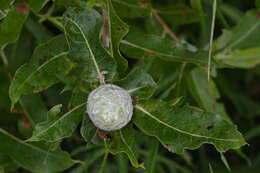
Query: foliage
[(55, 52)]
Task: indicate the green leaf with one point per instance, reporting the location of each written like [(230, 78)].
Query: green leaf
[(179, 14), (37, 30), (246, 58), (33, 158), (244, 34), (5, 4), (186, 128), (12, 24), (240, 46), (82, 28), (31, 104), (137, 45), (152, 157), (88, 129), (37, 5), (70, 3), (245, 105), (7, 163), (122, 141), (55, 127), (49, 60), (132, 8), (205, 93), (138, 83), (117, 29)]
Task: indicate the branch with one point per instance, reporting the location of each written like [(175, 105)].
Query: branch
[(165, 26)]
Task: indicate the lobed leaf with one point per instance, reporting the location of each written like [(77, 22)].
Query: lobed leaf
[(205, 93), (179, 14), (186, 128), (132, 8), (246, 58), (117, 30), (138, 83), (240, 46), (245, 32), (82, 28), (33, 158), (79, 96), (122, 141), (49, 61), (13, 23), (138, 45), (88, 129), (55, 127)]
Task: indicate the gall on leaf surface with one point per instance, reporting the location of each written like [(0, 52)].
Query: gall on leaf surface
[(186, 128)]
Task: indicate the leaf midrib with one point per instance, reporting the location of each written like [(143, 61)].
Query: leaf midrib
[(26, 144), (40, 67), (179, 130), (176, 58), (244, 36), (89, 48), (65, 115)]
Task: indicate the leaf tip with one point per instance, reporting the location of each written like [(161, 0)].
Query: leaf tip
[(141, 165)]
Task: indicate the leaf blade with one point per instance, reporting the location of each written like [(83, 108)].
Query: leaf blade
[(118, 29), (35, 77), (33, 158), (82, 27), (137, 45), (169, 127)]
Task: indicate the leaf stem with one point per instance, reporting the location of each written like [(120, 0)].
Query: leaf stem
[(105, 30), (211, 35), (47, 15), (101, 169), (164, 25), (180, 78)]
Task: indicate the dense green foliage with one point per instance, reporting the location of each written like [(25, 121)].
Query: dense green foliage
[(191, 68)]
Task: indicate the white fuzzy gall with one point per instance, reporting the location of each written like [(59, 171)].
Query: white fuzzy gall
[(109, 107)]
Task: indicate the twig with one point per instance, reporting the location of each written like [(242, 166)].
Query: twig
[(105, 31), (211, 35), (164, 25)]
